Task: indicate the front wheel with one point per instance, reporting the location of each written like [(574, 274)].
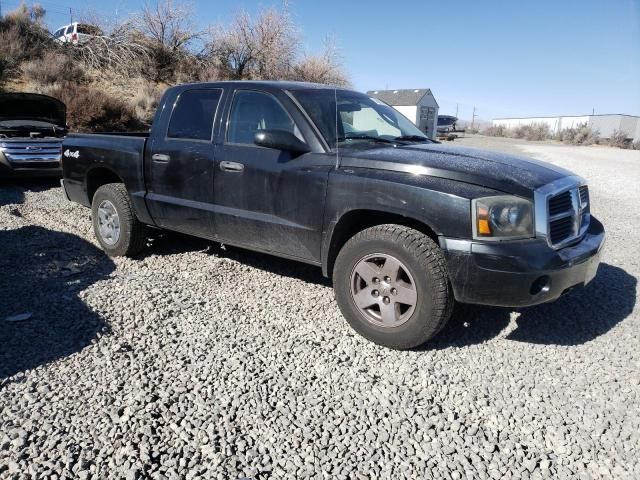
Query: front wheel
[(392, 287), (115, 225)]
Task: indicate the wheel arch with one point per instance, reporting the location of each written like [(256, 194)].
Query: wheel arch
[(354, 221), (97, 177)]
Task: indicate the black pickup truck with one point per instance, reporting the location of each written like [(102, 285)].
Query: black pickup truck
[(332, 177)]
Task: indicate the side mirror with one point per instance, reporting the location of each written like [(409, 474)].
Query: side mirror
[(281, 140)]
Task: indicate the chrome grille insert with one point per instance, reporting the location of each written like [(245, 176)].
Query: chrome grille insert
[(562, 211), (18, 152)]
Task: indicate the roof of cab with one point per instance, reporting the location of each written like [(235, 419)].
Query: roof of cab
[(282, 84)]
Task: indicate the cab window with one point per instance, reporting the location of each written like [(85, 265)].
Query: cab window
[(193, 114), (254, 111)]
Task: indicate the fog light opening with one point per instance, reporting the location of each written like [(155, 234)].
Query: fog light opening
[(541, 285)]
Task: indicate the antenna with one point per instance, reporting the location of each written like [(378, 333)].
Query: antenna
[(335, 97), (70, 15)]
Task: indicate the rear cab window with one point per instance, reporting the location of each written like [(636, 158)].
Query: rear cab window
[(193, 114)]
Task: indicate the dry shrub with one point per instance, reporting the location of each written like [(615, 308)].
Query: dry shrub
[(495, 131), (261, 48), (267, 47), (22, 35), (581, 135), (619, 139), (538, 132), (53, 68), (324, 68), (92, 110), (4, 68), (166, 29), (146, 101)]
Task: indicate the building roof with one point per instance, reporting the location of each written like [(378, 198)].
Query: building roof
[(400, 97), (569, 116)]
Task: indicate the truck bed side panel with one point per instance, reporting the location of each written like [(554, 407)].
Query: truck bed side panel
[(85, 156)]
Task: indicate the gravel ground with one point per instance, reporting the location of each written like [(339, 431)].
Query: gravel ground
[(198, 362)]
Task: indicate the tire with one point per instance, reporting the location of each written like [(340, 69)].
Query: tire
[(110, 206), (419, 264)]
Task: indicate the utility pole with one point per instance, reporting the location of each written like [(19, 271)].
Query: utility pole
[(456, 109), (70, 15), (473, 117)]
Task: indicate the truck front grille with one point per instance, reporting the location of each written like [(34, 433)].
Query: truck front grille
[(33, 153), (568, 214)]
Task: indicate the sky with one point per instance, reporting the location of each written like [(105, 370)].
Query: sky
[(506, 58)]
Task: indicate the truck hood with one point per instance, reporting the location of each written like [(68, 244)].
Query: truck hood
[(499, 171), (27, 107)]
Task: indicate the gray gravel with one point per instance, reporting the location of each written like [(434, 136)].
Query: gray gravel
[(197, 362)]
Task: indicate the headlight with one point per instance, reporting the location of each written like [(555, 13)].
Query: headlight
[(503, 217)]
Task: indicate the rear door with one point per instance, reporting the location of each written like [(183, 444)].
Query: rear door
[(268, 199), (179, 162)]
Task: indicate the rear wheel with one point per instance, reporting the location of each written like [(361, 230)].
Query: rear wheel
[(392, 287), (116, 227)]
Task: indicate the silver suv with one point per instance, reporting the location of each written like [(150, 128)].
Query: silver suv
[(32, 128), (77, 33)]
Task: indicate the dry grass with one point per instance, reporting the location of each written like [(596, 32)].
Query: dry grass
[(146, 100), (91, 110), (53, 68), (119, 77)]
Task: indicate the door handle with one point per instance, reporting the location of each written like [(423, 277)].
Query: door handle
[(160, 158), (231, 166)]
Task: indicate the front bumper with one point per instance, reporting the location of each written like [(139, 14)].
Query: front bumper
[(24, 163), (29, 169), (520, 273)]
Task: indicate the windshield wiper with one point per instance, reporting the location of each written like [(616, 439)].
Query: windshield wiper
[(365, 137), (412, 138)]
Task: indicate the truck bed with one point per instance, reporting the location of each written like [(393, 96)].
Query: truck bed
[(87, 156)]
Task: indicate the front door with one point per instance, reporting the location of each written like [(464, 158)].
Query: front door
[(180, 164), (268, 199)]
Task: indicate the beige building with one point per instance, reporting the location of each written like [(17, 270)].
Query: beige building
[(418, 105), (605, 125)]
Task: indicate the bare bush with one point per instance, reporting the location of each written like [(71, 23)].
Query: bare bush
[(619, 139), (52, 68), (156, 45), (260, 49), (166, 29), (23, 37), (495, 131), (324, 68), (121, 51), (536, 132), (580, 135), (92, 110), (146, 100), (4, 69)]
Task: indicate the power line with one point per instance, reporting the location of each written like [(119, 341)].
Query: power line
[(473, 117)]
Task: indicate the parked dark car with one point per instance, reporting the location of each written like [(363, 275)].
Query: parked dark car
[(32, 127), (337, 179)]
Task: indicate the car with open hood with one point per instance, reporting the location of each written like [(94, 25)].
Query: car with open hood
[(32, 127)]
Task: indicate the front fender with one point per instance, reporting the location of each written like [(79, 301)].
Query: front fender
[(442, 205)]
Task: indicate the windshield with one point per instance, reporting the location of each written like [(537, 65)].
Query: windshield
[(360, 118)]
